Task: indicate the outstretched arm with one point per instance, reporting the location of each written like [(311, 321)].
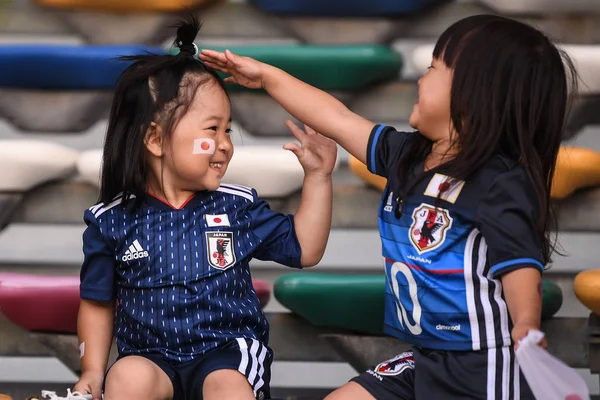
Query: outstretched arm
[(312, 106)]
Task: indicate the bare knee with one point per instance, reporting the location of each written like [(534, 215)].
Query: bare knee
[(350, 391), (137, 377), (227, 384)]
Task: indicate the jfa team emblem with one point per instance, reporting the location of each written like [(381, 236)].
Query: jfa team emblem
[(396, 365), (429, 227), (220, 249)]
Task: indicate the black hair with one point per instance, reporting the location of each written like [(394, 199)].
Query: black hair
[(509, 96), (154, 88)]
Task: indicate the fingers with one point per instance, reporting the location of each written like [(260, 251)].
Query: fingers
[(216, 67), (294, 148), (297, 132), (216, 57), (81, 388), (213, 56), (214, 60), (231, 56), (88, 388), (97, 392), (229, 79), (309, 130)]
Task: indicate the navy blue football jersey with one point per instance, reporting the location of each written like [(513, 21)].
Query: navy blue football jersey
[(445, 254), (181, 277)]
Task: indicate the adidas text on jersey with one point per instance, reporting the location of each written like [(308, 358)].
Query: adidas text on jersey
[(135, 252)]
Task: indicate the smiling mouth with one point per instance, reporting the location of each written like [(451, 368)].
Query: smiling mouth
[(216, 165)]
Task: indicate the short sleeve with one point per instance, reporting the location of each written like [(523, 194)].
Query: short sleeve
[(508, 216), (99, 265), (384, 149), (275, 233)]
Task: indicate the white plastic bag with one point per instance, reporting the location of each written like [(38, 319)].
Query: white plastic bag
[(547, 376)]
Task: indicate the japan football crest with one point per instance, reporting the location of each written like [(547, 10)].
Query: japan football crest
[(429, 227), (396, 365), (219, 246)]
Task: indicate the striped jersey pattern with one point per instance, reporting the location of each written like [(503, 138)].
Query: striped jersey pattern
[(181, 276), (446, 245)]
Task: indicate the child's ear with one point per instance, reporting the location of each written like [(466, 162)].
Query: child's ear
[(154, 139)]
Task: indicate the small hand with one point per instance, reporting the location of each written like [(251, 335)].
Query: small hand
[(90, 383), (316, 153), (521, 330), (245, 71)]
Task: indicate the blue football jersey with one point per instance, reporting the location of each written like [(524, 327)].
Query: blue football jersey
[(452, 242), (181, 277)]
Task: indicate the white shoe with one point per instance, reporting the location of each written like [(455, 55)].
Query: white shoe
[(70, 396)]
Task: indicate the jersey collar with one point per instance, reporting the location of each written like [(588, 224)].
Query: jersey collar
[(163, 204)]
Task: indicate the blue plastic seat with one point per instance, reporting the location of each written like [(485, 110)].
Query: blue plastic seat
[(64, 67), (345, 8)]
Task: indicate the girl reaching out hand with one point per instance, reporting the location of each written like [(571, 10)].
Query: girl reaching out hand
[(464, 219)]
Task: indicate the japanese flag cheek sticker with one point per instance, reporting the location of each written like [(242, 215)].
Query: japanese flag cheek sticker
[(204, 146)]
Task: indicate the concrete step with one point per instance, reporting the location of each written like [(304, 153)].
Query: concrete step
[(355, 204)]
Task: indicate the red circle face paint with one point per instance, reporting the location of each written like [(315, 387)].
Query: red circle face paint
[(204, 146)]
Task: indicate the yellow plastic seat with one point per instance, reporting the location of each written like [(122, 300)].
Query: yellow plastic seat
[(587, 289), (125, 5), (360, 170), (576, 168)]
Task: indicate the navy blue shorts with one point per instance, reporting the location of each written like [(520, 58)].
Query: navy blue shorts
[(252, 358), (423, 374)]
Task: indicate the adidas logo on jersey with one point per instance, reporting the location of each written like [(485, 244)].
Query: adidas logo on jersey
[(135, 252), (388, 205)]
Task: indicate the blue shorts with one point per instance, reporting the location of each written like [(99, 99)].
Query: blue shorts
[(248, 356), (422, 374)]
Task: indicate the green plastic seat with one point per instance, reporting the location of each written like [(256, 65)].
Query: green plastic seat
[(356, 302), (331, 68), (552, 299)]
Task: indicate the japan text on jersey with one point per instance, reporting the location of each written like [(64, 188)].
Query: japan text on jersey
[(445, 252), (181, 276)]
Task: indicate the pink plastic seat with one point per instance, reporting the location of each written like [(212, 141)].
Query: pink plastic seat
[(263, 291), (50, 303), (40, 303)]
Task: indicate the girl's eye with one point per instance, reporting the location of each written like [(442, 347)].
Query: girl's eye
[(228, 131), (213, 128), (431, 66)]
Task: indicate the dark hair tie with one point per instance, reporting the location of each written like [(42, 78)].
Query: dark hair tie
[(190, 49)]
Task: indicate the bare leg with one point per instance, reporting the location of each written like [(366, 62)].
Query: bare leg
[(227, 384), (135, 377), (350, 391)]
